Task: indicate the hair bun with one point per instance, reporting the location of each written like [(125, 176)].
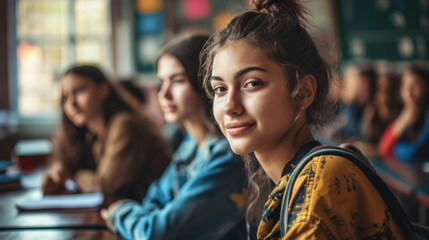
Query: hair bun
[(289, 8)]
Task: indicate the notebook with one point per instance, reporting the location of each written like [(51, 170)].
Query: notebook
[(10, 181), (84, 201)]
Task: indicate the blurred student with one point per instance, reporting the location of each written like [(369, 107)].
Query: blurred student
[(104, 144), (407, 138), (359, 87), (384, 108), (150, 105), (202, 194), (269, 86)]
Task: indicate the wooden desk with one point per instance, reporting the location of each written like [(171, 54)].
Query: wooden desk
[(399, 177), (410, 181), (16, 224)]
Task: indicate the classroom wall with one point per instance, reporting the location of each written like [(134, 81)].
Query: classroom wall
[(4, 102)]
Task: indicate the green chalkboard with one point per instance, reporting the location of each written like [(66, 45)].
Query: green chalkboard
[(384, 29)]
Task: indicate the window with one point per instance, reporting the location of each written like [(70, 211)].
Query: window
[(52, 35)]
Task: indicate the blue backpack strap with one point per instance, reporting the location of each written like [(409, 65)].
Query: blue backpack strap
[(395, 208)]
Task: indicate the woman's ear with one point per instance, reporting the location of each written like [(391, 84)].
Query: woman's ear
[(307, 91)]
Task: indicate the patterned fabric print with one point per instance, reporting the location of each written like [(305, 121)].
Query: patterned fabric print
[(269, 228), (331, 199)]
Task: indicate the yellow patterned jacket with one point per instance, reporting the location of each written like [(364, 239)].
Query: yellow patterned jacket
[(331, 199)]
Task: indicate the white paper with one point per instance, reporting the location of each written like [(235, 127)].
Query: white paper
[(33, 180), (71, 201)]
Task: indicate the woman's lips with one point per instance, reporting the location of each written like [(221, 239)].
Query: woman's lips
[(238, 128), (169, 109)]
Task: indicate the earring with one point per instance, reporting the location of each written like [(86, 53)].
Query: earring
[(302, 108), (296, 118)]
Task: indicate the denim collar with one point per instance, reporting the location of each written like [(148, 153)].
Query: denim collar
[(188, 149)]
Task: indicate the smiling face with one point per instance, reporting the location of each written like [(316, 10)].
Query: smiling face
[(252, 103), (82, 98), (178, 99)]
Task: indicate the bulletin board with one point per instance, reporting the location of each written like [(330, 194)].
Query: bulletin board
[(154, 23)]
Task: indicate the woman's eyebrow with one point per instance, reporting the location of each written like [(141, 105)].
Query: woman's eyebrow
[(249, 69), (172, 76), (216, 78), (240, 73), (177, 75)]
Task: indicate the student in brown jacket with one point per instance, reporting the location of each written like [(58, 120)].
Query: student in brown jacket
[(105, 144)]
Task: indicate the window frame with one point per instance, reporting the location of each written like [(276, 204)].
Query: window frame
[(50, 118)]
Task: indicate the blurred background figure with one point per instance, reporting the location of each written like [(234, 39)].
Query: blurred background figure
[(146, 96), (105, 144), (407, 138), (356, 94), (384, 108)]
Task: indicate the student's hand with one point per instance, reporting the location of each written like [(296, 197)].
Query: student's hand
[(54, 181), (106, 212), (408, 116), (52, 184)]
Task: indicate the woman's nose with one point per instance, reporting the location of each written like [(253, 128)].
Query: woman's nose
[(70, 103), (233, 104), (165, 91), (74, 102)]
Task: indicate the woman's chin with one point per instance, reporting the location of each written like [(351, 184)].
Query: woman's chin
[(170, 118), (240, 150), (78, 123)]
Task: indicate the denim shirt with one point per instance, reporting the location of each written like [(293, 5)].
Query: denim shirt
[(201, 195), (407, 150)]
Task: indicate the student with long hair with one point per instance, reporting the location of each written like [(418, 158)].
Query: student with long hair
[(106, 144), (407, 138), (384, 108), (202, 194), (269, 86)]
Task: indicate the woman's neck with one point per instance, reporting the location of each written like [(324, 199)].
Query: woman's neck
[(273, 159), (197, 127), (97, 126)]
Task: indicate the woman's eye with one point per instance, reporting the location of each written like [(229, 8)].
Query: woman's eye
[(78, 90), (252, 84), (180, 80), (219, 89)]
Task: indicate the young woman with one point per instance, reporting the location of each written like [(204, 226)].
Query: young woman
[(269, 85), (104, 144), (202, 194), (407, 138), (384, 108)]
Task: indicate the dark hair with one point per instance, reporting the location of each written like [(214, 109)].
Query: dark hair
[(74, 143), (383, 113), (369, 72), (134, 90), (278, 28), (186, 48)]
